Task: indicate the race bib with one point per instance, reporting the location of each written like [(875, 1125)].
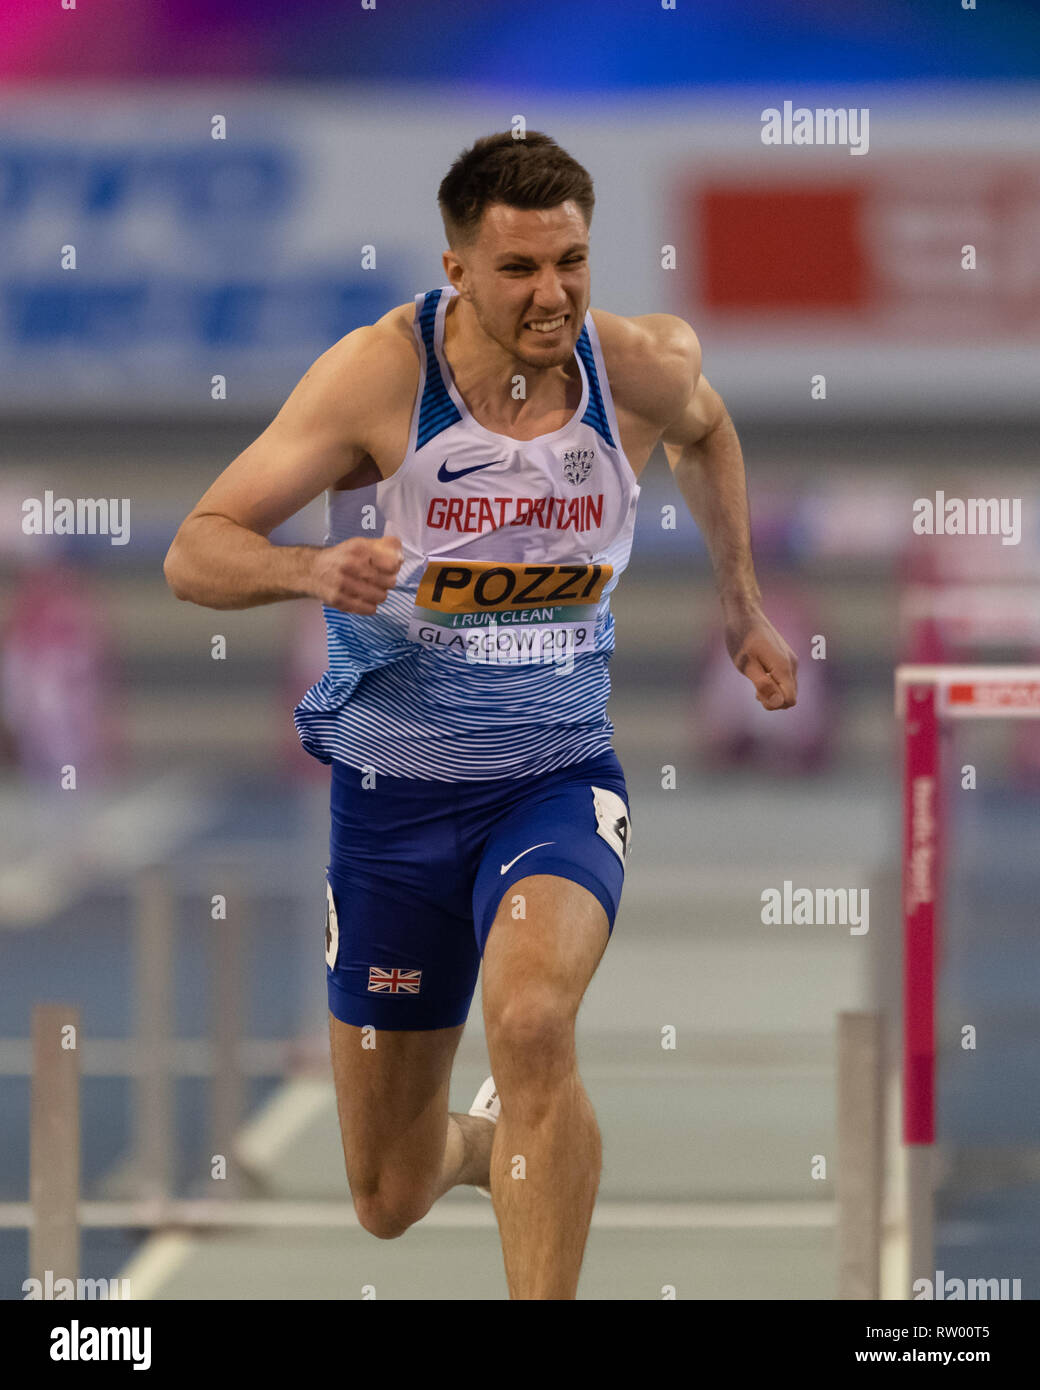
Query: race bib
[(510, 614), (612, 820), (331, 928)]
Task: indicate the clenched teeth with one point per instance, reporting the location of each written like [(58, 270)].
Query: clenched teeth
[(547, 325)]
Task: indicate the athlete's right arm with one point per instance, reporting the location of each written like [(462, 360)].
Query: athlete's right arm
[(221, 557)]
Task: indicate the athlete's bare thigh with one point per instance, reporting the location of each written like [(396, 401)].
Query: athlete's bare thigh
[(392, 1097)]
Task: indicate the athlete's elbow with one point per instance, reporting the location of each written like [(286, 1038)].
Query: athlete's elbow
[(177, 576)]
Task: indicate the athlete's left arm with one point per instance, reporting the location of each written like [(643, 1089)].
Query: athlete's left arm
[(705, 457)]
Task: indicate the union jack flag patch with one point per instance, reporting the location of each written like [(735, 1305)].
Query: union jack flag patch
[(393, 981)]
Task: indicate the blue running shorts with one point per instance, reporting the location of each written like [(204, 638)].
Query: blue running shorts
[(417, 870)]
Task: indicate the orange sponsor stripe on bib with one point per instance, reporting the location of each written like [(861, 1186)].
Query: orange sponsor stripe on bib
[(486, 586)]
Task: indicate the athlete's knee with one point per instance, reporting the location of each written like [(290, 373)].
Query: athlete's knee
[(533, 1028), (388, 1214)]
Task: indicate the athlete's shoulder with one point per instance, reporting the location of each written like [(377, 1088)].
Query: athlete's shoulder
[(653, 361), (369, 369), (386, 346)]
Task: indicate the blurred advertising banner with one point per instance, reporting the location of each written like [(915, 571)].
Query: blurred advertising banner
[(170, 248), (167, 252), (916, 277), (879, 254)]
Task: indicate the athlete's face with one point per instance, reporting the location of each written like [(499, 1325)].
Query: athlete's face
[(526, 275)]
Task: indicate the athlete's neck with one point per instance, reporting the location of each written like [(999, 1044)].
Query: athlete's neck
[(485, 374)]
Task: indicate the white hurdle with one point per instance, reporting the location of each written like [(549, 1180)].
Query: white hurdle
[(54, 1143), (153, 1099), (858, 1183), (228, 1101)]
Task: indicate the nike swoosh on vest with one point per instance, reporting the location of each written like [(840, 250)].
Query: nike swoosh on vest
[(445, 477)]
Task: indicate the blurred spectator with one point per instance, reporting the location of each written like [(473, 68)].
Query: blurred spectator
[(58, 678)]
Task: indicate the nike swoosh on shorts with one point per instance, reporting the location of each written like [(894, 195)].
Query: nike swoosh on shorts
[(445, 477), (506, 867)]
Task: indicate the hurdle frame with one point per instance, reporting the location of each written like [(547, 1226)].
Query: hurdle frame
[(926, 696)]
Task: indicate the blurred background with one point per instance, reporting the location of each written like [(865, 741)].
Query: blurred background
[(194, 204)]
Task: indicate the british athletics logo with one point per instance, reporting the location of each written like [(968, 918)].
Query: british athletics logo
[(393, 981)]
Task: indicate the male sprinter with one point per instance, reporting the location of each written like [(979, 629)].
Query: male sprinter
[(497, 428)]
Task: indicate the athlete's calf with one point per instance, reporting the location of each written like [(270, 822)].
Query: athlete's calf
[(545, 1162)]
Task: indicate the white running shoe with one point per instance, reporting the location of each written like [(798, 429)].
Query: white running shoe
[(487, 1106)]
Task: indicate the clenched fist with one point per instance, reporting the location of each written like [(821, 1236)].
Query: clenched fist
[(761, 654), (355, 576)]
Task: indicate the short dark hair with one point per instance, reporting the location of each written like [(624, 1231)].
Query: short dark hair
[(529, 173)]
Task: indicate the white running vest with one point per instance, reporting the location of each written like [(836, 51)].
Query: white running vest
[(489, 656)]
